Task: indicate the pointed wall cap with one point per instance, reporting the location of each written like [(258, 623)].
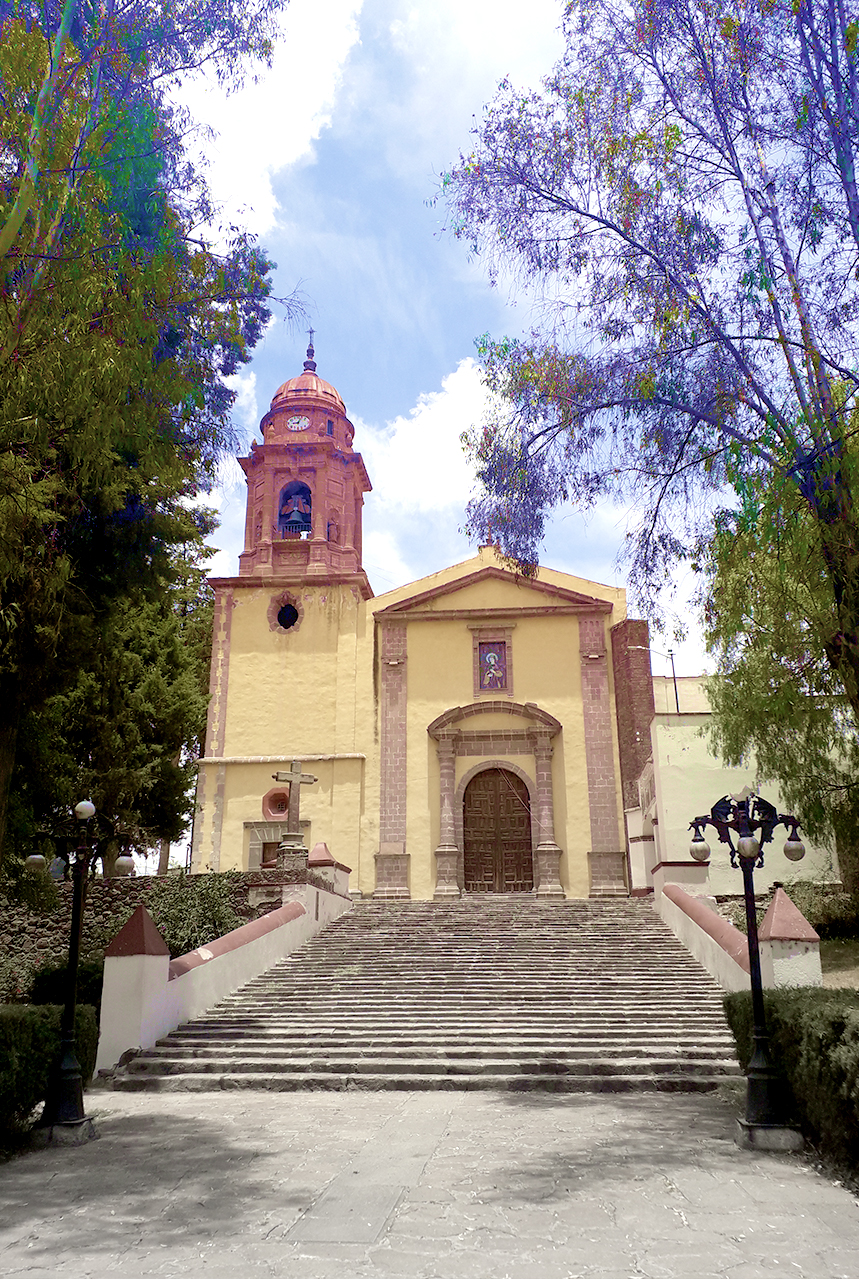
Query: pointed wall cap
[(139, 936), (784, 922), (320, 856)]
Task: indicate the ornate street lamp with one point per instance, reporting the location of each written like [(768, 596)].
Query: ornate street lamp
[(64, 1104), (741, 816)]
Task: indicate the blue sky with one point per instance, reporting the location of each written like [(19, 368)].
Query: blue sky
[(333, 158)]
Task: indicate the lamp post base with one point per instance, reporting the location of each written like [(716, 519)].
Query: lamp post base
[(768, 1137), (73, 1133)]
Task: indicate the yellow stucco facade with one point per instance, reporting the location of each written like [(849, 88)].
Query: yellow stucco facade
[(473, 731)]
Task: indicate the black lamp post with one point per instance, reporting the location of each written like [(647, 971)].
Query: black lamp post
[(743, 815), (64, 1104)]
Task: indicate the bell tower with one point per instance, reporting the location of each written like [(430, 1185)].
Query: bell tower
[(306, 487), (289, 676)]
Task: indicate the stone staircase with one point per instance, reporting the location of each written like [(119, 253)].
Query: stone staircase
[(492, 992)]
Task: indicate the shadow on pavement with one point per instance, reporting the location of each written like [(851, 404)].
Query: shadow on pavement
[(157, 1180), (604, 1139)]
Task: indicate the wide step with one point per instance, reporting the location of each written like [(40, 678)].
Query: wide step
[(482, 994)]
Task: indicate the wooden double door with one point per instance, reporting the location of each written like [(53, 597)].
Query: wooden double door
[(497, 834)]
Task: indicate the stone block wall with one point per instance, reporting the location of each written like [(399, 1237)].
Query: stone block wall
[(29, 939)]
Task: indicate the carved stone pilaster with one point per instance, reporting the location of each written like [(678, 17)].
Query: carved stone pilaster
[(547, 855), (447, 851)]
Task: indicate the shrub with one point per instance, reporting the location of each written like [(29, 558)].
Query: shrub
[(24, 886), (49, 983), (193, 910), (833, 913), (29, 1048), (814, 1039)]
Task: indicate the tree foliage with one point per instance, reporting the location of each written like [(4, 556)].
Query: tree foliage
[(681, 199), (769, 611), (127, 731), (119, 323)]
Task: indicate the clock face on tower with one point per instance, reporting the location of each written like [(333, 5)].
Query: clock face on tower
[(297, 423)]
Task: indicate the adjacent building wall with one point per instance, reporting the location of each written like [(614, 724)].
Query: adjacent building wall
[(683, 780)]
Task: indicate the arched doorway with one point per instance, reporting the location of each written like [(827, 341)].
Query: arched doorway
[(497, 834)]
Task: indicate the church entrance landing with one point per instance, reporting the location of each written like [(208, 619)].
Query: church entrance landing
[(497, 834)]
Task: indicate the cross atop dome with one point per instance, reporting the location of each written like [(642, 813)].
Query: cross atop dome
[(310, 363)]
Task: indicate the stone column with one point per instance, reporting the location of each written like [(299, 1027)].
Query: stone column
[(392, 861), (269, 519), (317, 543), (547, 854), (447, 851), (607, 860)]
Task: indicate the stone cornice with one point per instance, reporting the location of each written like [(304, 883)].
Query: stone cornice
[(565, 600), (269, 581), (303, 757)]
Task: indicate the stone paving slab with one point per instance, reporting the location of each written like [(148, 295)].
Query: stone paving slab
[(420, 1185)]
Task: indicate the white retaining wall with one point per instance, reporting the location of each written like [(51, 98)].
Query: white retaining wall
[(145, 997), (724, 951)]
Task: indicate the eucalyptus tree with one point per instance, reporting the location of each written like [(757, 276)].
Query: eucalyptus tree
[(680, 197)]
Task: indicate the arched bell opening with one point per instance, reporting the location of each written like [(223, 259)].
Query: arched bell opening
[(294, 511)]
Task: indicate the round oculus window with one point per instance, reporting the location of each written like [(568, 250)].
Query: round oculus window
[(287, 616)]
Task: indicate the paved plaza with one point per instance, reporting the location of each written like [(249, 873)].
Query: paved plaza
[(244, 1184)]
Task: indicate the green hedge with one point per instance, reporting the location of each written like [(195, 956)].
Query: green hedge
[(29, 1047), (814, 1038), (50, 982)]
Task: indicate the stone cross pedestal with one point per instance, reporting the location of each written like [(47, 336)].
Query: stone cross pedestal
[(291, 842)]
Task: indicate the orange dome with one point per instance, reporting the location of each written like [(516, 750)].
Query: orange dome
[(307, 388)]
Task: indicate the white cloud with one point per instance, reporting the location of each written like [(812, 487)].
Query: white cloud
[(455, 54), (421, 482), (384, 561), (246, 414), (273, 123), (437, 63), (417, 462)]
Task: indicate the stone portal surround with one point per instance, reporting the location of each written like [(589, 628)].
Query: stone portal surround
[(452, 742), (607, 861)]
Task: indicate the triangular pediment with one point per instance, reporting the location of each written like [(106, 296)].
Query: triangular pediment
[(466, 594)]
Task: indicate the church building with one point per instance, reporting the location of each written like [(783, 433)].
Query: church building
[(472, 732)]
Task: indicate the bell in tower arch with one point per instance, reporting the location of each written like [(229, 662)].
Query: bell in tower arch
[(294, 511)]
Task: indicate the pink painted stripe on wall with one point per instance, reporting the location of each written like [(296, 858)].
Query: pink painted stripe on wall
[(237, 938)]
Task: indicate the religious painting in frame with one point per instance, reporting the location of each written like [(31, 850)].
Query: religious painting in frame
[(493, 661)]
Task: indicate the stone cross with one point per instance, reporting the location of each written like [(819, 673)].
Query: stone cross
[(295, 778)]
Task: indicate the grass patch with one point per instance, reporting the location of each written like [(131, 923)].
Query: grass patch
[(837, 954)]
